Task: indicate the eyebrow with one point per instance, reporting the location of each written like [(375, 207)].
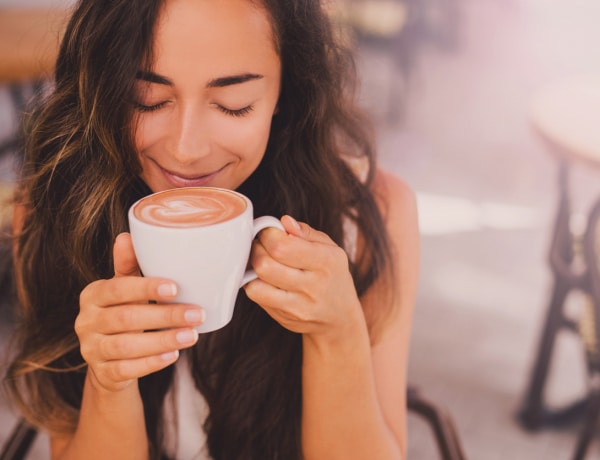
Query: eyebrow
[(232, 80), (152, 77), (220, 82)]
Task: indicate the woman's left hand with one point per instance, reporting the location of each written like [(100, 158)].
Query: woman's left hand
[(304, 281)]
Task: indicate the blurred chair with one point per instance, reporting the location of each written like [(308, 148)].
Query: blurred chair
[(448, 443), (566, 114), (19, 442), (439, 420), (381, 25), (398, 29), (590, 332), (29, 40)]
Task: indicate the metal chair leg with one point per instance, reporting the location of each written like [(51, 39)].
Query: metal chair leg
[(590, 426), (590, 333), (19, 442), (448, 442), (533, 413)]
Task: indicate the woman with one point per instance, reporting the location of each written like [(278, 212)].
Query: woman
[(242, 94)]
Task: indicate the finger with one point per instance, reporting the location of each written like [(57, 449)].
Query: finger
[(124, 256), (143, 317), (127, 289), (124, 370), (274, 272), (300, 253), (304, 231), (292, 226), (269, 297), (283, 306), (140, 345)]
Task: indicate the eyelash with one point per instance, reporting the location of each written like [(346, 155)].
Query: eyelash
[(237, 113), (232, 113), (148, 108)]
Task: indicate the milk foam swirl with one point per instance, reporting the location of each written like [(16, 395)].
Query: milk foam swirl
[(196, 208)]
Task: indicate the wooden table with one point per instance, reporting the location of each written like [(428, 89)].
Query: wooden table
[(566, 113), (29, 40), (29, 43)]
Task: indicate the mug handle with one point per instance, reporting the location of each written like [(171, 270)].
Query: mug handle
[(260, 223)]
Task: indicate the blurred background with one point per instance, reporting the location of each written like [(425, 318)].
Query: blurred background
[(449, 84)]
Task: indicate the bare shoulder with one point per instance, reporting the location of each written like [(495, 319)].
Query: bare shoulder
[(397, 204), (391, 341), (395, 198)]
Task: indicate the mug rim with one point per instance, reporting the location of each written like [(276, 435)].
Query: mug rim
[(248, 208)]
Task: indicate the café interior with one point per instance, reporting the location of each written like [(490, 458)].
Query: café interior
[(490, 111)]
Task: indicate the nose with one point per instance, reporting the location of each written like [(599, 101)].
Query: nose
[(190, 140)]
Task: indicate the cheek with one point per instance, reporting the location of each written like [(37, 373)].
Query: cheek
[(148, 131), (140, 134), (247, 138)]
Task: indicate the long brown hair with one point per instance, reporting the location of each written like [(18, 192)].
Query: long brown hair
[(81, 173)]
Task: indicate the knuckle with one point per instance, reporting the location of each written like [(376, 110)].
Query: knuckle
[(301, 315), (84, 324), (335, 259), (86, 351), (278, 249), (118, 347), (117, 371), (267, 234), (168, 341), (253, 291), (323, 236), (261, 264), (339, 254), (109, 348), (103, 349), (172, 315), (124, 318), (80, 325), (250, 289), (117, 290), (308, 310), (87, 294)]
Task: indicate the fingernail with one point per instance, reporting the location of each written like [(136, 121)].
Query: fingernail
[(167, 290), (170, 356), (195, 315), (187, 336)]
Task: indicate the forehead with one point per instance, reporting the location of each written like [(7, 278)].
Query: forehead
[(227, 35)]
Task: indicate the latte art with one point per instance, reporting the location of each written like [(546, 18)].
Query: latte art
[(189, 207)]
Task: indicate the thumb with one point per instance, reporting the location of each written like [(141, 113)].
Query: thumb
[(124, 256)]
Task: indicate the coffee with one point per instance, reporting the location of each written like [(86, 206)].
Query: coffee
[(189, 207)]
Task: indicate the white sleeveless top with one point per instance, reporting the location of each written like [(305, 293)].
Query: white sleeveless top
[(185, 409)]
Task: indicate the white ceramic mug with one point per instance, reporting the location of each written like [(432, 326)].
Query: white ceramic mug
[(199, 237)]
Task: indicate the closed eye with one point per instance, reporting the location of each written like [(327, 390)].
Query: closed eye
[(237, 112), (149, 108)]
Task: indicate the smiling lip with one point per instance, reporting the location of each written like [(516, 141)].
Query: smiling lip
[(197, 181)]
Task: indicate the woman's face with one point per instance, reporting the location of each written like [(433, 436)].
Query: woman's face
[(204, 111)]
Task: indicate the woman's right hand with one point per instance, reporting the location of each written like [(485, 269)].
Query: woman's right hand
[(122, 336)]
